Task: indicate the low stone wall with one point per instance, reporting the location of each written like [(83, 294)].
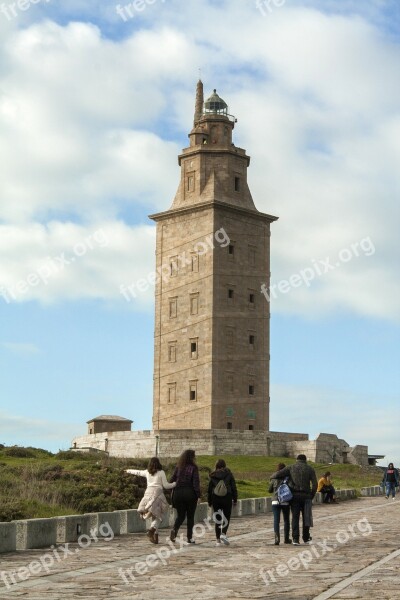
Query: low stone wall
[(43, 533), (327, 448), (374, 490), (171, 443)]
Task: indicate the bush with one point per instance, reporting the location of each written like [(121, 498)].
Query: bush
[(12, 512), (19, 452)]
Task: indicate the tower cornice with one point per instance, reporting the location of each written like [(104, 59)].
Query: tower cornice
[(200, 149), (214, 204)]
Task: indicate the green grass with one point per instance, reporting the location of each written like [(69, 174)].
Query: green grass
[(40, 484), (252, 473)]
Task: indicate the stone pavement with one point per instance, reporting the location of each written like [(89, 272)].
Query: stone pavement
[(355, 554)]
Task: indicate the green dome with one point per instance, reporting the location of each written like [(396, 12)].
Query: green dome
[(215, 104)]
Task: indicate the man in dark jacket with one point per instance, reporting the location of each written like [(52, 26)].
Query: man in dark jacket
[(303, 483)]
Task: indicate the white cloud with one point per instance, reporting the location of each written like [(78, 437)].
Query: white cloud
[(352, 417), (21, 348), (316, 96), (69, 261)]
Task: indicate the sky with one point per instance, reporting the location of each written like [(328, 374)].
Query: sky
[(96, 101)]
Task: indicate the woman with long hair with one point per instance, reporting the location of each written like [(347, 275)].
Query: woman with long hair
[(186, 494), (153, 504), (221, 497), (279, 508)]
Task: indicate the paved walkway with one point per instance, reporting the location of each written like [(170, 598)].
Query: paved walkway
[(355, 554)]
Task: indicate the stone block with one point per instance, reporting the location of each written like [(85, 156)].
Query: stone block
[(268, 504), (8, 537), (101, 523), (123, 521), (109, 521), (237, 510), (258, 506), (247, 507), (70, 527), (168, 519), (36, 533), (201, 512), (135, 523)]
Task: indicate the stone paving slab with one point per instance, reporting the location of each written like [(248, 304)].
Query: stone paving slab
[(348, 538)]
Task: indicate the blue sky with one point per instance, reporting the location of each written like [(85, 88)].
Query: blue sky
[(93, 112)]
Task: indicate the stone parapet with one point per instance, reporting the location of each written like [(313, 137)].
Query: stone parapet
[(43, 533)]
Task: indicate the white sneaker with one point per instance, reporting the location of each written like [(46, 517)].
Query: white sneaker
[(224, 539), (218, 543), (393, 498)]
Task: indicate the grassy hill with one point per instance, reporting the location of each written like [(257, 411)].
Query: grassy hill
[(36, 483)]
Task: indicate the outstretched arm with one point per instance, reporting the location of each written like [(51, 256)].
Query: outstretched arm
[(141, 473), (165, 484)]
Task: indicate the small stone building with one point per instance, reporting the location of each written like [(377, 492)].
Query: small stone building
[(107, 423)]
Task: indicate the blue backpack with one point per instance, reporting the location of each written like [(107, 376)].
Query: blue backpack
[(284, 493)]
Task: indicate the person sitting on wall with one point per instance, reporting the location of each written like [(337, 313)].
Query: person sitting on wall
[(326, 488)]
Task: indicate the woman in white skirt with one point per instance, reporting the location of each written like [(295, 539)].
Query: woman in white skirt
[(153, 504)]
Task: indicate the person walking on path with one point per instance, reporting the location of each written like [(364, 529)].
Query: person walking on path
[(186, 494), (278, 509), (153, 504), (390, 481), (222, 493), (326, 488), (303, 483)]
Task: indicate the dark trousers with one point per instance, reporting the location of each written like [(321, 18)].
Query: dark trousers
[(277, 510), (224, 504), (185, 502), (329, 492), (297, 506)]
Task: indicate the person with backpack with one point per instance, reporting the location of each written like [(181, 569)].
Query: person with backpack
[(153, 504), (390, 481), (186, 494), (303, 483), (222, 494), (280, 506)]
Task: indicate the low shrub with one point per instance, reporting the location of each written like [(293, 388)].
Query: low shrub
[(19, 452)]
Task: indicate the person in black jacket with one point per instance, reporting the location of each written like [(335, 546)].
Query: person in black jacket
[(222, 503), (303, 483)]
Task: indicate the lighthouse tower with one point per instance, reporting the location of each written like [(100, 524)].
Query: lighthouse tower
[(211, 340)]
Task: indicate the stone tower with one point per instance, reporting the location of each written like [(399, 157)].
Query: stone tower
[(211, 360)]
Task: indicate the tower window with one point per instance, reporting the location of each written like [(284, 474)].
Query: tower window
[(229, 425), (173, 308), (251, 389), (252, 298), (194, 304), (194, 262), (171, 393), (231, 250), (252, 339), (192, 391), (231, 294), (173, 266), (190, 183), (172, 352), (237, 184), (229, 338), (194, 348), (251, 427)]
